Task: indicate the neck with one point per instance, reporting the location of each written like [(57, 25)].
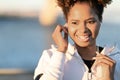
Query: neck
[(87, 53)]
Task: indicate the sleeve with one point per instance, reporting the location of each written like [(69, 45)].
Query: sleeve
[(115, 55), (51, 65), (117, 66)]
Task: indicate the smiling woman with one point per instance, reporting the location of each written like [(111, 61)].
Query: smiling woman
[(83, 60)]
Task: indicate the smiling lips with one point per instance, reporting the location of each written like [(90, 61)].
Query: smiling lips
[(84, 38)]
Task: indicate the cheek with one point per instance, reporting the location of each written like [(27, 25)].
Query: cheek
[(71, 31), (95, 31)]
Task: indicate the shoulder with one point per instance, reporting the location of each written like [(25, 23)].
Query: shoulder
[(48, 53), (112, 52), (115, 53)]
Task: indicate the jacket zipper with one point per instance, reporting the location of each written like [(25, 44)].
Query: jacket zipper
[(89, 76)]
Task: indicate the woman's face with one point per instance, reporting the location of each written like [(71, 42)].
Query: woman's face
[(83, 24)]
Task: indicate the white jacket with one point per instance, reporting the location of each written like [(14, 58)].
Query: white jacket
[(55, 65)]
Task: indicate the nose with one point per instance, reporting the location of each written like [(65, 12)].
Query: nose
[(82, 27)]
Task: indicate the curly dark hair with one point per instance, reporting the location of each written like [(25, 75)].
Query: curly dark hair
[(97, 5)]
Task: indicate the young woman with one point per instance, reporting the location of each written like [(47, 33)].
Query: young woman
[(83, 60)]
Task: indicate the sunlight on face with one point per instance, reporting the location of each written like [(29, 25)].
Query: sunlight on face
[(83, 24)]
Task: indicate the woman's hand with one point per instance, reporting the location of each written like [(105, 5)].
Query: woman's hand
[(104, 67), (61, 40)]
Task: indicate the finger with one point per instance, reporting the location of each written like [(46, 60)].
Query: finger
[(97, 64), (61, 28), (65, 29), (100, 56), (66, 36), (58, 28), (58, 31), (102, 59), (56, 35), (66, 25), (104, 62), (97, 53)]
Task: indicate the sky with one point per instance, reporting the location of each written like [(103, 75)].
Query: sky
[(21, 4), (112, 12), (32, 4), (41, 5)]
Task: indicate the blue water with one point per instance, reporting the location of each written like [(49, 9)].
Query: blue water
[(23, 40)]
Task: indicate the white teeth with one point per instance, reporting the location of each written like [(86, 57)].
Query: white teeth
[(83, 38)]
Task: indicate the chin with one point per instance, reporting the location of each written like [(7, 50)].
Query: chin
[(86, 44)]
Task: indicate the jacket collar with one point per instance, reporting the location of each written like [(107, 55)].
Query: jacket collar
[(110, 50), (106, 51)]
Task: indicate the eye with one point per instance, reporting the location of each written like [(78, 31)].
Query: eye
[(91, 21), (74, 22)]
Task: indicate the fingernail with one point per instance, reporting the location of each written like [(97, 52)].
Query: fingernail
[(93, 58), (65, 25), (97, 53)]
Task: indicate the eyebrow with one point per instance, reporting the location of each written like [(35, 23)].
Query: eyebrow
[(85, 19), (90, 18)]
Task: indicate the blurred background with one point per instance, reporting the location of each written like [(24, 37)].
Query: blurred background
[(25, 31)]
